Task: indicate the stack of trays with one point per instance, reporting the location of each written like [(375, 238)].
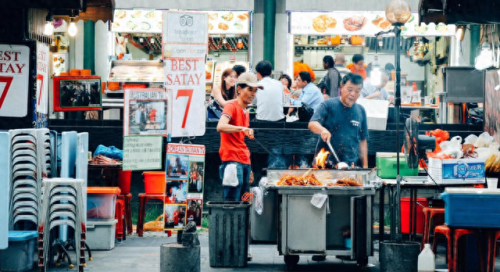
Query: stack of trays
[(62, 205)]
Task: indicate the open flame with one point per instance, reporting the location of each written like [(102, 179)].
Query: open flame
[(321, 158)]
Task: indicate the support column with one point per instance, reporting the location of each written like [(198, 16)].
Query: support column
[(475, 36), (89, 46), (269, 29)]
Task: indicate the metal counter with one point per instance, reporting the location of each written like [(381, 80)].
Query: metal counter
[(306, 230)]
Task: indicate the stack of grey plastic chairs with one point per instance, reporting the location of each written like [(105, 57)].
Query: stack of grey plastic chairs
[(62, 204), (31, 160)]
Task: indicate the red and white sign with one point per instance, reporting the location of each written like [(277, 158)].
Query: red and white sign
[(42, 77), (14, 80), (185, 81), (185, 71)]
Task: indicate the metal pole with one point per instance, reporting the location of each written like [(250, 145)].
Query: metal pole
[(397, 107)]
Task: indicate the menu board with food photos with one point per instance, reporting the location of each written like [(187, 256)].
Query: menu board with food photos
[(365, 23), (137, 21), (150, 21), (228, 22)]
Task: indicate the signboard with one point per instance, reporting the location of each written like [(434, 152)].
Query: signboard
[(77, 93), (228, 22), (185, 71), (145, 112), (14, 80), (42, 77), (364, 23), (142, 152), (151, 21), (185, 174), (137, 21)]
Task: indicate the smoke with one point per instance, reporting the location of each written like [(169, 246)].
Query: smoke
[(303, 162), (276, 160)]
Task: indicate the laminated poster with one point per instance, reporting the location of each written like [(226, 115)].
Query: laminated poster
[(142, 152), (145, 112), (185, 176)]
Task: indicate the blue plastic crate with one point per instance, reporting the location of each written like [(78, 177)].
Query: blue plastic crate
[(472, 208)]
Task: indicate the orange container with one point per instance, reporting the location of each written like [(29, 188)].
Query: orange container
[(74, 72), (103, 86), (356, 40), (154, 182), (335, 40), (103, 190), (113, 86), (64, 74), (86, 72)]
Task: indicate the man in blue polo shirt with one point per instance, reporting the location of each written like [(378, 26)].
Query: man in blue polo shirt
[(342, 122)]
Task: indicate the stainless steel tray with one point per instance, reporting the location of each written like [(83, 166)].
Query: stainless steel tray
[(363, 176)]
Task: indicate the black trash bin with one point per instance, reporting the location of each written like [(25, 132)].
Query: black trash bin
[(228, 223)]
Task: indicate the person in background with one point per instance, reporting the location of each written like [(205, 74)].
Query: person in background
[(332, 78), (379, 92), (303, 67), (358, 65), (340, 65), (269, 101), (310, 98), (343, 123), (233, 127), (389, 68), (286, 80), (238, 69), (222, 94), (324, 90)]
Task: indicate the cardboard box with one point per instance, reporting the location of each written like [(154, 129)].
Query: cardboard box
[(457, 171)]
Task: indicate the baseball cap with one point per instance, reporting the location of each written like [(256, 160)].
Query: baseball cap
[(249, 79)]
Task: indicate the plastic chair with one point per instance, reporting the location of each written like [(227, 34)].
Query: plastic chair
[(493, 236), (453, 236), (431, 215)]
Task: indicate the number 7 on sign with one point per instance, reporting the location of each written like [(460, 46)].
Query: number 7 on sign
[(7, 81), (189, 94)]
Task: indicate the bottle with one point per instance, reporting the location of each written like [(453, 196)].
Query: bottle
[(426, 260)]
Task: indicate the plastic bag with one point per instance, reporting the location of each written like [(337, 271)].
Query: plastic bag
[(110, 152), (258, 200), (452, 147), (484, 140), (471, 139), (230, 175)]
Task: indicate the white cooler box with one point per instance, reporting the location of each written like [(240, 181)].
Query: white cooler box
[(101, 234), (457, 171)]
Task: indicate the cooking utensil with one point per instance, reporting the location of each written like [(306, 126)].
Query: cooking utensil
[(247, 197), (340, 165)]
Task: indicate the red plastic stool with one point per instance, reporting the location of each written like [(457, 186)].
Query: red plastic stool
[(120, 216), (454, 235), (143, 201), (431, 215), (493, 236)]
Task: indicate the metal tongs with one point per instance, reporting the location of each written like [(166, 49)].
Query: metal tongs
[(340, 165)]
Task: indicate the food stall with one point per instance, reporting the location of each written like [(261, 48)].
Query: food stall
[(425, 48), (137, 37)]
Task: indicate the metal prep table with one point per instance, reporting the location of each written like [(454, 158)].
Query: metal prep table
[(306, 230)]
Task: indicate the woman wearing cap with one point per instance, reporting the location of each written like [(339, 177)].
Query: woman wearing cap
[(234, 126)]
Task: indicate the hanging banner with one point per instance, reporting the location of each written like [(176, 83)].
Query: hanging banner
[(185, 174), (42, 77), (185, 41), (145, 112), (14, 80), (142, 152)]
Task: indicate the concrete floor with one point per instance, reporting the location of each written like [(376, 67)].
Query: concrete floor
[(143, 254)]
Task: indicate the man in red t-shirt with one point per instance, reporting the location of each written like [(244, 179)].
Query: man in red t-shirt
[(233, 126)]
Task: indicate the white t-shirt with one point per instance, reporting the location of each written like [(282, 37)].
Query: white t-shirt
[(270, 100)]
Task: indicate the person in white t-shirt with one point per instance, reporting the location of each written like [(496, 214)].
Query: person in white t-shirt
[(269, 101)]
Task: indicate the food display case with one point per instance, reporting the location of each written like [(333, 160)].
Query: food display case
[(146, 73), (343, 226)]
